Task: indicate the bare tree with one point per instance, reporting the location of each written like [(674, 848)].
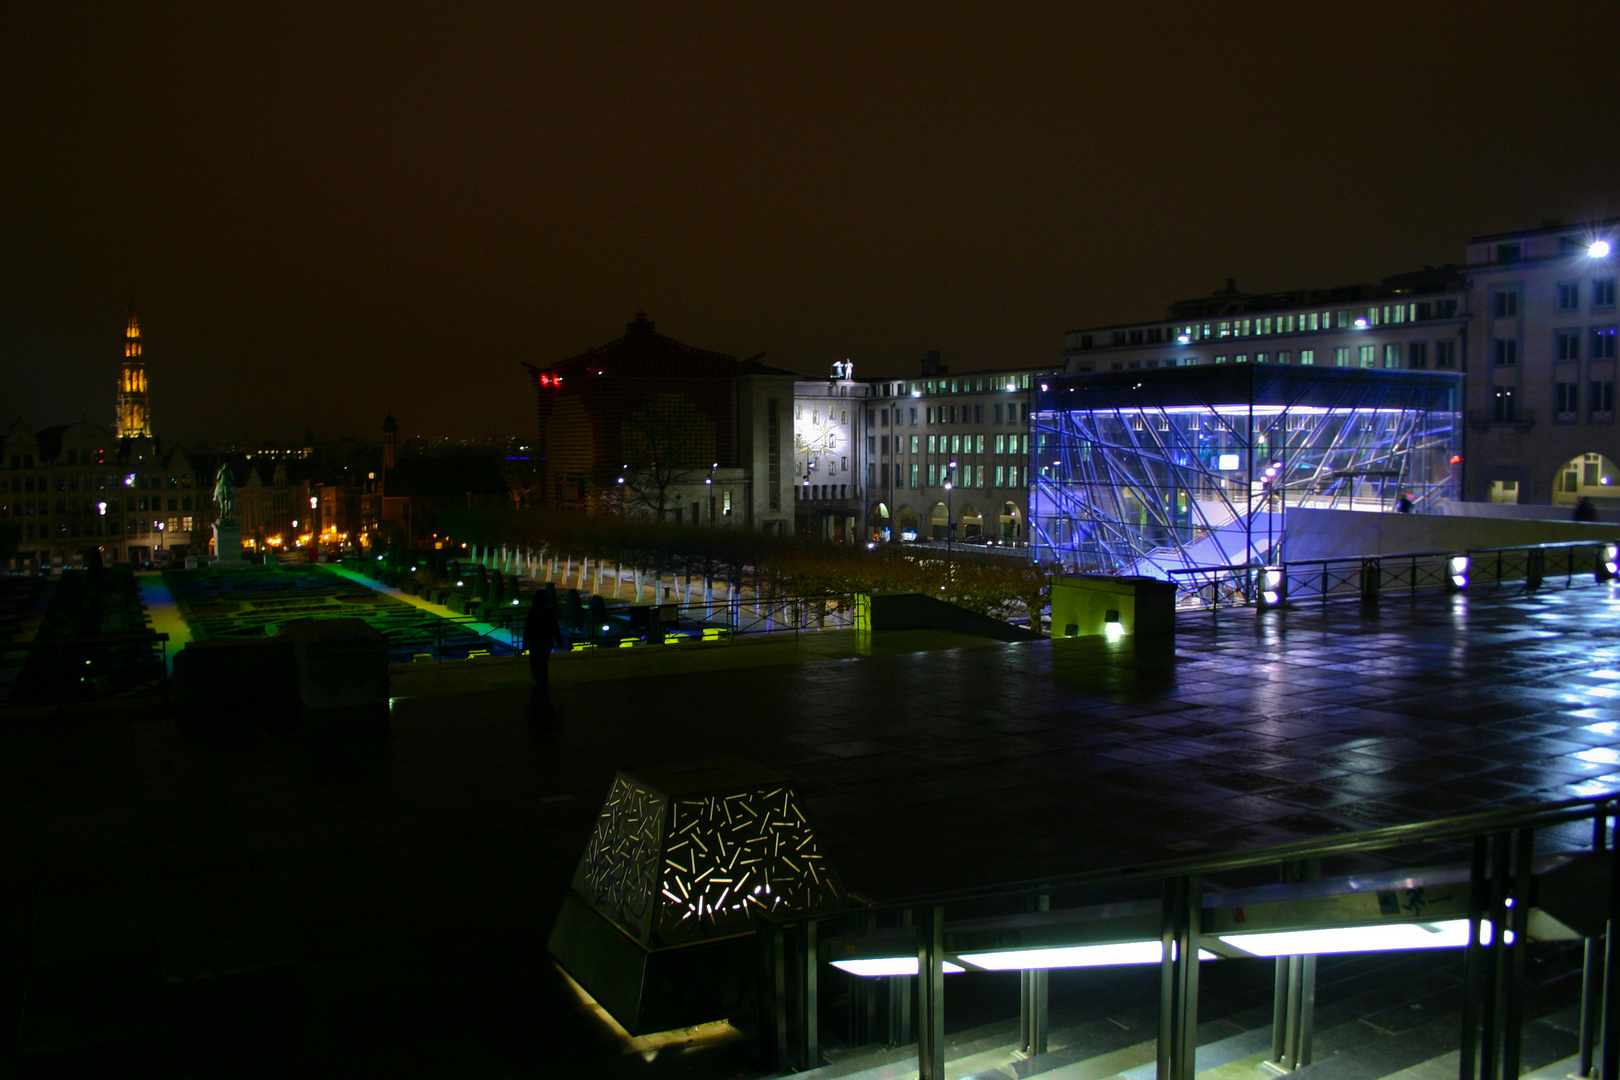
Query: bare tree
[(667, 443)]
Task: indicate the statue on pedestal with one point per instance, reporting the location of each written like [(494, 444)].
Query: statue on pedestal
[(225, 492)]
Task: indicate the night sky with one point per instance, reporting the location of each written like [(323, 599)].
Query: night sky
[(326, 211)]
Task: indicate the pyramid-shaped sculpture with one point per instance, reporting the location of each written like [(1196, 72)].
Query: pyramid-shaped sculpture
[(682, 855)]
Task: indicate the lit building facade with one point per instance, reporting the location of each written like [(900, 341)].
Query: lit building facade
[(967, 431), (1410, 322), (1145, 472), (1541, 419), (829, 422)]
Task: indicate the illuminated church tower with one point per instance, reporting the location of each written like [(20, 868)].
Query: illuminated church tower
[(134, 414)]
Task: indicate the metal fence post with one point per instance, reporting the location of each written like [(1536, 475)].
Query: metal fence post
[(1371, 578), (1178, 978), (931, 993), (1032, 1001)]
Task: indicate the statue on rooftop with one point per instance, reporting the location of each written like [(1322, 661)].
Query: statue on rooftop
[(225, 491)]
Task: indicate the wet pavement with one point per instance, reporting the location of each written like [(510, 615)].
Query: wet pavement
[(368, 900)]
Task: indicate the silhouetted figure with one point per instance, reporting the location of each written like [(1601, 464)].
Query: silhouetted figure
[(540, 636), (1584, 510), (1403, 505)]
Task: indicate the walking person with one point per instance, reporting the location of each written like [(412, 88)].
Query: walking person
[(540, 637)]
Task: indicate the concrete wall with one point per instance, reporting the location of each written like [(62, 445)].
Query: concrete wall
[(1522, 512), (1331, 534), (913, 611)]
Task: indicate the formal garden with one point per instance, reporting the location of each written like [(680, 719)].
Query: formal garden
[(256, 601)]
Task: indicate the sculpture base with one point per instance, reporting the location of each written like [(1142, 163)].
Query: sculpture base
[(228, 544)]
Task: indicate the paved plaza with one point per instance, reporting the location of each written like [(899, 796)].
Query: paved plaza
[(364, 901)]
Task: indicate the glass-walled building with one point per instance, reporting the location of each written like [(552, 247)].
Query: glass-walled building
[(1143, 472)]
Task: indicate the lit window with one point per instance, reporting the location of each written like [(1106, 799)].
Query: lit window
[(1341, 356)]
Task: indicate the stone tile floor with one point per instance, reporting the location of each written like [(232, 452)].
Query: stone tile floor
[(367, 901)]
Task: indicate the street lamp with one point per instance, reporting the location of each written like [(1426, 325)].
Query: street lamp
[(1599, 249), (950, 511), (159, 524)]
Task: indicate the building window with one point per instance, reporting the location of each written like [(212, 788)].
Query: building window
[(1220, 359), (1241, 358), (1566, 402), (1392, 356), (1505, 351), (1285, 357), (933, 474), (1569, 296), (1603, 343), (1505, 304), (1567, 344), (915, 439), (914, 468), (1502, 405), (725, 503), (1603, 292), (1417, 354), (1601, 401), (773, 454), (1367, 356), (1307, 357), (1507, 253), (1445, 354)]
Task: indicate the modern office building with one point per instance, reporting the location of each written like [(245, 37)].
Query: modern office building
[(1541, 395), (1145, 472), (1530, 318), (1412, 322), (947, 456)]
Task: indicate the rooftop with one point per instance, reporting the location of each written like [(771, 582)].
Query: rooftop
[(247, 899)]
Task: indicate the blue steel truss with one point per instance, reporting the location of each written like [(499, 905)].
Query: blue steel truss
[(1144, 472)]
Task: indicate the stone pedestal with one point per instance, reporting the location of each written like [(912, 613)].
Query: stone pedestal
[(228, 544)]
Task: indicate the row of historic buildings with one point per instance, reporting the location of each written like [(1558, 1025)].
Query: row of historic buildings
[(71, 489)]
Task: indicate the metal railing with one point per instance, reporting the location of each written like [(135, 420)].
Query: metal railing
[(1369, 577), (717, 622), (1499, 856)]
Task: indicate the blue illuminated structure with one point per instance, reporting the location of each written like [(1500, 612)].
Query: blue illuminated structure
[(1144, 472)]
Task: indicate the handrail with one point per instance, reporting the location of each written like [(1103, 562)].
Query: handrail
[(1462, 826), (1239, 579)]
